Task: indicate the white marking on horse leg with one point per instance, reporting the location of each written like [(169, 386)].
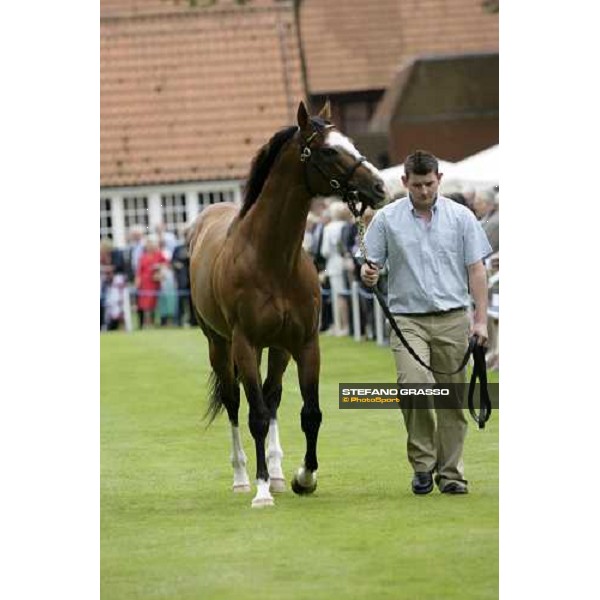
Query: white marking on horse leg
[(263, 496), (274, 456), (241, 482)]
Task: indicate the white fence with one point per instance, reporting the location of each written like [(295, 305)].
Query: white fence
[(381, 327)]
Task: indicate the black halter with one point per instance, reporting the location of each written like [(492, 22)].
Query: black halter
[(339, 186)]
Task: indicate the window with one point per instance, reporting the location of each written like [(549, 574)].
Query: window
[(206, 198), (174, 213), (135, 212), (106, 226)]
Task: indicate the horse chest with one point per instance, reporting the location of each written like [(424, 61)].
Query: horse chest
[(279, 321)]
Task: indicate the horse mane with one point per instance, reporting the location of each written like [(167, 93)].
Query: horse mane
[(261, 167)]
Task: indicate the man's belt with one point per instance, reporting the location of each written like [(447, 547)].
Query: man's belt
[(437, 313)]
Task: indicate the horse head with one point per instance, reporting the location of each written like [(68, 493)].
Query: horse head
[(334, 167)]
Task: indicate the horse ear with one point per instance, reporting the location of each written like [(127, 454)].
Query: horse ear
[(325, 113), (302, 116)]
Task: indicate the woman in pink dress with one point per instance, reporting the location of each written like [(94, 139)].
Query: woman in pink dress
[(147, 281)]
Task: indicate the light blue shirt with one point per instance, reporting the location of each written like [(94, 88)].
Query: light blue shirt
[(427, 262)]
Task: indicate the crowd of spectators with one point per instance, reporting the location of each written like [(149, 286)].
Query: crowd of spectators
[(155, 267), (331, 238)]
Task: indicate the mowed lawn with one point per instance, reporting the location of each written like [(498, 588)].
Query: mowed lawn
[(172, 528)]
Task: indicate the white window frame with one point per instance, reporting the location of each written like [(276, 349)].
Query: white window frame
[(194, 192), (138, 214), (106, 218), (208, 197), (173, 214)]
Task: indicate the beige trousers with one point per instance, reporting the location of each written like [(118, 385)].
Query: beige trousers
[(440, 341)]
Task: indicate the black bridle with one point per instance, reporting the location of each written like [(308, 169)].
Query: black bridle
[(340, 186)]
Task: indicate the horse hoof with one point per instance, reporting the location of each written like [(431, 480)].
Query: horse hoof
[(262, 502), (301, 490), (277, 485), (242, 488)]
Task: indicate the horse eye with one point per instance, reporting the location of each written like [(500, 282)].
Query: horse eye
[(327, 151)]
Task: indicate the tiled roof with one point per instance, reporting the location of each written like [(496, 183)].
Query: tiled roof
[(191, 94), (122, 8), (358, 45), (431, 86)]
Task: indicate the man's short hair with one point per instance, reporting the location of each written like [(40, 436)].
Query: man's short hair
[(420, 162)]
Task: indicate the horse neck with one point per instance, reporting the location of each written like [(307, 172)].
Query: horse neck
[(278, 221)]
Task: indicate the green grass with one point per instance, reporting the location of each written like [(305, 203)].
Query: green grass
[(171, 527)]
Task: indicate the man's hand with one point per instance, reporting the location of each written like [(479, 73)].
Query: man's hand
[(369, 275), (480, 330)]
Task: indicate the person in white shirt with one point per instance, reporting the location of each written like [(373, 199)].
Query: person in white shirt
[(334, 253), (434, 248), (167, 240)]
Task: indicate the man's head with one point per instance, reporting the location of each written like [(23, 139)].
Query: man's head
[(136, 233), (318, 205), (485, 203), (421, 178), (151, 243), (339, 211), (105, 246)]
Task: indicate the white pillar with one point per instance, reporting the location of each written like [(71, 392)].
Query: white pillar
[(192, 205), (237, 194), (378, 322), (154, 210), (118, 220), (355, 310)]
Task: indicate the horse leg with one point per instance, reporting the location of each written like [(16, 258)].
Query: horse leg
[(246, 360), (278, 361), (309, 362), (241, 481), (226, 391)]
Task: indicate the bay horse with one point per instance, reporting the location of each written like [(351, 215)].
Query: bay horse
[(254, 287)]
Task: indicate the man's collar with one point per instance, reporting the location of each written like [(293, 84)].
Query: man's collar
[(434, 207)]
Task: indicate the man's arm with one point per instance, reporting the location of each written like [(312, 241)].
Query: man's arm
[(479, 290)]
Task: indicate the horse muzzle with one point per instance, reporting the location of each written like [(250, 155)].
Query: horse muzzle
[(374, 197)]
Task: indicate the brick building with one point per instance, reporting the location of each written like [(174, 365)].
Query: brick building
[(190, 89), (188, 95), (377, 61)]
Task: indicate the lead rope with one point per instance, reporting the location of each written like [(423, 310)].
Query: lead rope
[(479, 368)]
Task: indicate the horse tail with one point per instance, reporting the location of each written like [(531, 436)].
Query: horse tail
[(219, 397), (215, 398)]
